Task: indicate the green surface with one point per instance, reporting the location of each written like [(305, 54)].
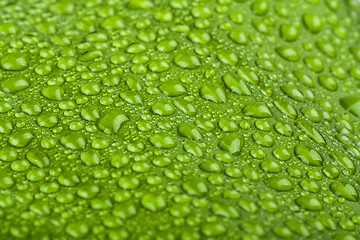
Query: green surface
[(179, 119)]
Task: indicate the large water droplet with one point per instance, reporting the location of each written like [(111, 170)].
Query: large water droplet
[(280, 183), (344, 189), (14, 62)]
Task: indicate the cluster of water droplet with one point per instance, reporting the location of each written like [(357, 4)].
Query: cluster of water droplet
[(152, 119)]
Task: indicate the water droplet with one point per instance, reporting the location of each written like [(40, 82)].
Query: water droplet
[(224, 210), (248, 205), (344, 161), (111, 122), (263, 139), (173, 88), (187, 60), (257, 110), (210, 166), (6, 181), (314, 63), (20, 165), (91, 88), (280, 183), (77, 229), (298, 227), (74, 141), (355, 51), (38, 158), (15, 84), (199, 36), (293, 93), (189, 130), (158, 66), (312, 22), (228, 57), (53, 92), (237, 86), (90, 157), (268, 205), (270, 165), (153, 202), (312, 132), (309, 203), (309, 185), (113, 23), (14, 62), (308, 155), (239, 36), (289, 32), (68, 179), (344, 189), (213, 229), (328, 82), (8, 28), (162, 141), (288, 53), (282, 153), (163, 108), (331, 172), (312, 113), (195, 187), (260, 26), (47, 120), (327, 48), (21, 138), (304, 78), (193, 148), (230, 143), (213, 92), (167, 45), (260, 7), (284, 129)]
